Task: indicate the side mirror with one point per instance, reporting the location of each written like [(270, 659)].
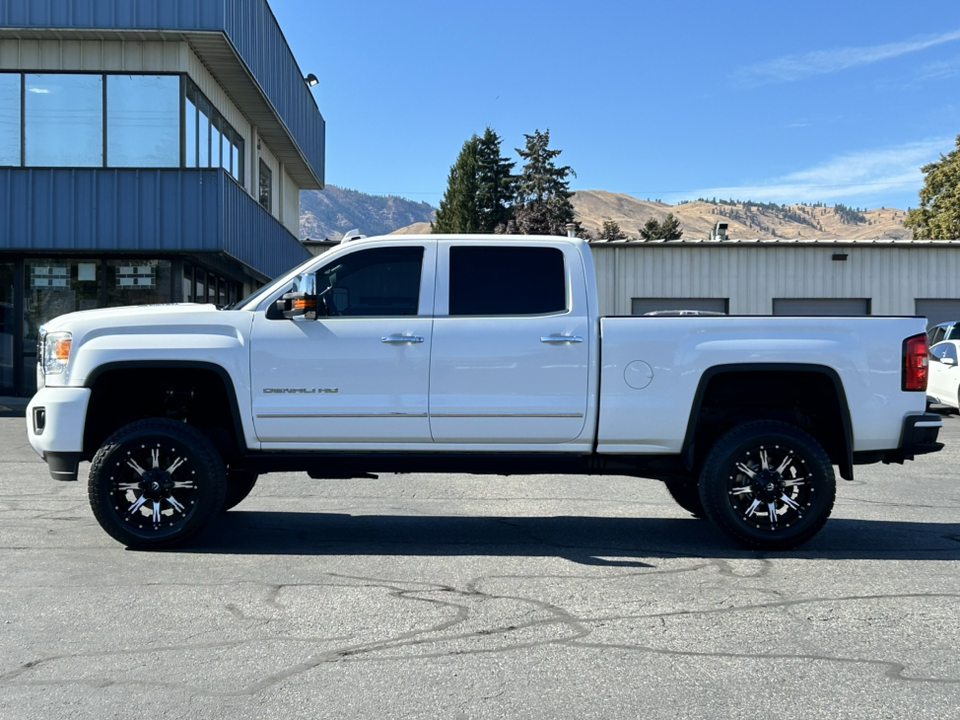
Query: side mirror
[(948, 361), (301, 302)]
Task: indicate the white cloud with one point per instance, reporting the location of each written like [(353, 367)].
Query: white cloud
[(797, 67), (940, 70), (869, 173)]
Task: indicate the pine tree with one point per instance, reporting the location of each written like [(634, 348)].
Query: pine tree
[(938, 217), (479, 189), (494, 183), (541, 191), (458, 211), (611, 231), (669, 229)]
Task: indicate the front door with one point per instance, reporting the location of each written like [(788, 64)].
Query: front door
[(359, 374)]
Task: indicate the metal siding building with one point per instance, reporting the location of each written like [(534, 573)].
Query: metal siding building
[(892, 276), (208, 207)]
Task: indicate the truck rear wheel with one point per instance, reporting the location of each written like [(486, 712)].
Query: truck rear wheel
[(156, 483), (687, 495), (768, 485)]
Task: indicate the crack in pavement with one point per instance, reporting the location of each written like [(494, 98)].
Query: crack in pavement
[(461, 601)]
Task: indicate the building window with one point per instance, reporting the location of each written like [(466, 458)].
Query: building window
[(266, 187), (211, 141), (138, 282), (142, 121), (63, 120), (9, 119), (104, 120)]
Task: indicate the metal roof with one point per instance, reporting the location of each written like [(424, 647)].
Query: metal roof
[(773, 242)]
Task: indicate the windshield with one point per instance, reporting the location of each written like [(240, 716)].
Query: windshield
[(251, 301)]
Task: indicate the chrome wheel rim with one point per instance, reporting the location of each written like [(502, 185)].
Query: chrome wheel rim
[(770, 488), (153, 486)]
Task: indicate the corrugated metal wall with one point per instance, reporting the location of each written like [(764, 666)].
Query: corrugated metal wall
[(92, 55), (751, 276), (155, 211), (248, 24)]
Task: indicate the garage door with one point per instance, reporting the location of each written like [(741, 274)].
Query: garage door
[(938, 311), (821, 306), (641, 306)]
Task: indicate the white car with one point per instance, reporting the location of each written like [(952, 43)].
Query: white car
[(943, 385)]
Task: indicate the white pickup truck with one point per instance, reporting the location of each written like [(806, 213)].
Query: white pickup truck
[(470, 354)]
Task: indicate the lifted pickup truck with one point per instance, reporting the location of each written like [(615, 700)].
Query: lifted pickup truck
[(471, 354)]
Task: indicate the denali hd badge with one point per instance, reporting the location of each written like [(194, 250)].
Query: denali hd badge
[(299, 391)]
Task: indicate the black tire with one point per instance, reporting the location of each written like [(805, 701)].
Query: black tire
[(239, 485), (687, 495), (768, 485), (156, 483)]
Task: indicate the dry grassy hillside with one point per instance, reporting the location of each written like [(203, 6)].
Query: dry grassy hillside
[(745, 220), (420, 228)]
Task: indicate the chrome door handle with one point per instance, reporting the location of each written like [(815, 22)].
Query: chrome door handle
[(560, 339), (402, 339)]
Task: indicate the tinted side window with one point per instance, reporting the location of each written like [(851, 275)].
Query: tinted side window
[(507, 280), (375, 282)]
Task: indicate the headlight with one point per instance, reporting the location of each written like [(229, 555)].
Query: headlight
[(55, 352)]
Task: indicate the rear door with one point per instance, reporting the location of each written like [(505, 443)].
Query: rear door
[(511, 344)]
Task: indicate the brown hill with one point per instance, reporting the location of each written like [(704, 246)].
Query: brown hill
[(746, 220)]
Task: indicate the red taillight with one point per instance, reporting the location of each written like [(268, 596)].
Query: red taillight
[(915, 361)]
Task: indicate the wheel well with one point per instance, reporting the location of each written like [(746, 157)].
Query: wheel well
[(810, 399), (196, 395)]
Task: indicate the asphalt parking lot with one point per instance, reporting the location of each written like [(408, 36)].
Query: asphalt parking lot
[(472, 597)]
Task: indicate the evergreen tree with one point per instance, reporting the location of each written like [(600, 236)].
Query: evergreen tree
[(938, 217), (494, 183), (611, 231), (479, 189), (669, 229), (541, 191), (458, 211)]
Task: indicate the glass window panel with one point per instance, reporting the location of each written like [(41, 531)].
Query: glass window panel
[(63, 120), (8, 328), (142, 121), (56, 286), (376, 282), (190, 127), (215, 141), (237, 163), (133, 281), (266, 187), (221, 292), (200, 295), (226, 157), (9, 118), (187, 286), (529, 281), (203, 132)]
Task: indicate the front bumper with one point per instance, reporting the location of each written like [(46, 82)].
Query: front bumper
[(55, 423), (919, 437)]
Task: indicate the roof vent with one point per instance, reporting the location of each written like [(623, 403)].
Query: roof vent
[(719, 231)]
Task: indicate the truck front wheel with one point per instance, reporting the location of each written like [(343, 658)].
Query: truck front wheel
[(156, 483), (768, 485)]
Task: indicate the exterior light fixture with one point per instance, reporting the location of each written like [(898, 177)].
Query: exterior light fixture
[(311, 80)]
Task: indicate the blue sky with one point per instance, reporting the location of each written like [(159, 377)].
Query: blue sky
[(839, 101)]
